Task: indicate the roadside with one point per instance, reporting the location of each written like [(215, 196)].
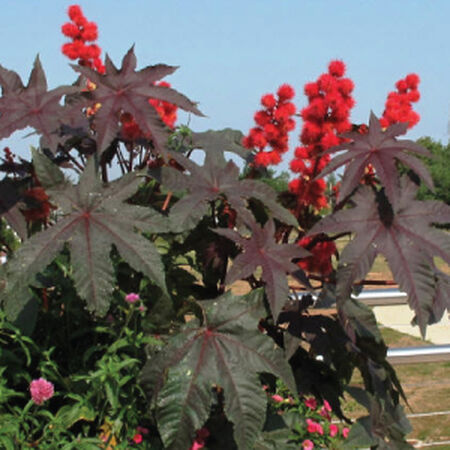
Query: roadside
[(399, 317)]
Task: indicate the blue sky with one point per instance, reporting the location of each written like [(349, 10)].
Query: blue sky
[(231, 52)]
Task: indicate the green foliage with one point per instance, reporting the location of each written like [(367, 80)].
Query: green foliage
[(438, 165), (95, 381)]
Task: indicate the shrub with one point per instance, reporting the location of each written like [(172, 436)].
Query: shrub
[(116, 299)]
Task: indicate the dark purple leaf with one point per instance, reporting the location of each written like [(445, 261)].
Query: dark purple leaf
[(32, 106), (402, 233), (93, 218), (226, 140), (206, 183), (441, 301), (9, 207), (381, 149), (261, 250), (127, 90), (226, 351)]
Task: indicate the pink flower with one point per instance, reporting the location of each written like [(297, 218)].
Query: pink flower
[(277, 398), (197, 445), (137, 438), (142, 430), (314, 427), (334, 429), (199, 442), (311, 403), (324, 413), (326, 405), (41, 390), (307, 445), (345, 432), (132, 297)]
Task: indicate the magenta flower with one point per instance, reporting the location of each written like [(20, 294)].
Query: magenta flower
[(201, 436), (345, 432), (324, 413), (41, 390), (132, 297), (334, 429), (277, 398), (311, 403), (326, 405), (307, 444), (314, 427)]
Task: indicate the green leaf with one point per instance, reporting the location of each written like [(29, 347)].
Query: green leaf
[(227, 351), (274, 440), (360, 435), (68, 415), (49, 174)]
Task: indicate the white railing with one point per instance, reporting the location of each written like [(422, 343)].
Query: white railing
[(418, 355)]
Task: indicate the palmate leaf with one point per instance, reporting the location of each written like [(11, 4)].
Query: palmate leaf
[(381, 149), (206, 183), (32, 106), (226, 351), (128, 90), (94, 218), (402, 233), (226, 140), (261, 250)]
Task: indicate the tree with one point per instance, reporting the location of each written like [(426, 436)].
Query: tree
[(439, 169)]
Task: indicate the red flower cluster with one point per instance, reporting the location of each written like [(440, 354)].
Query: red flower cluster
[(38, 203), (81, 31), (274, 122), (326, 115), (398, 106), (9, 155), (167, 111), (320, 260), (138, 436), (130, 130)]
